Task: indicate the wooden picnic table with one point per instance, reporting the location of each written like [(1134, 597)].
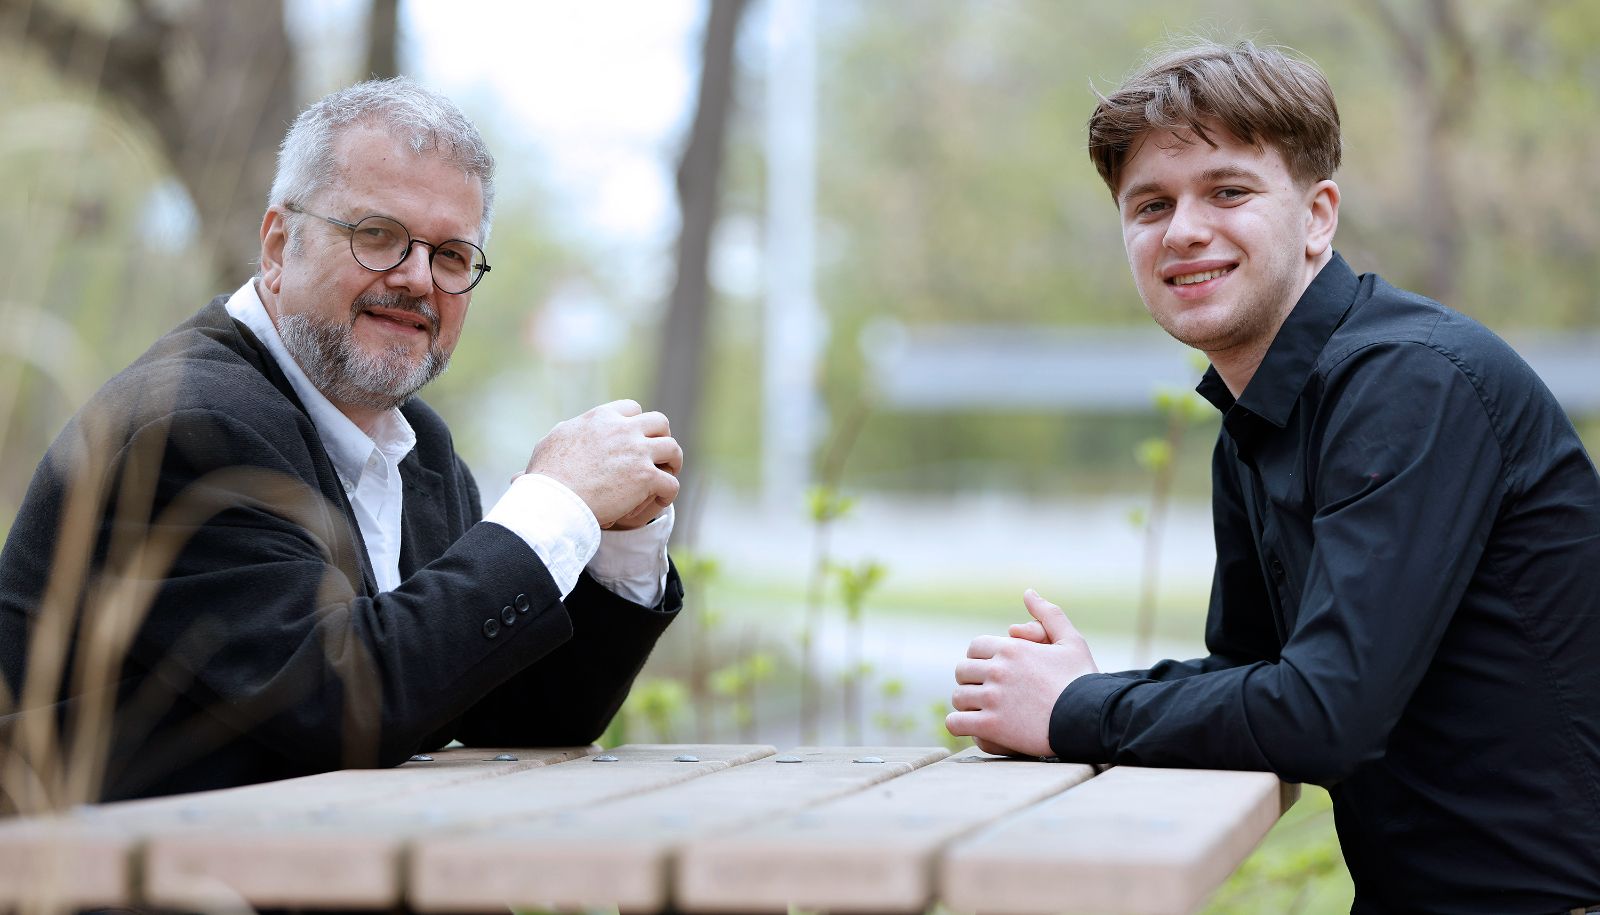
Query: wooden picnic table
[(655, 828)]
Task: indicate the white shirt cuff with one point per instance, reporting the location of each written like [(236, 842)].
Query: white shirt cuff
[(555, 524), (633, 564)]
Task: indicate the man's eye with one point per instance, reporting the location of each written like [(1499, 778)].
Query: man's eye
[(1232, 193), (453, 255), (1151, 208)]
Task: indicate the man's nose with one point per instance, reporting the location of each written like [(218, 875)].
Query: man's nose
[(1190, 225), (414, 273)]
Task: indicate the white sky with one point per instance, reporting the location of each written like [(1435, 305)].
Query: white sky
[(602, 88), (598, 91)]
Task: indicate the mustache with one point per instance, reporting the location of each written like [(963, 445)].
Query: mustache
[(396, 301)]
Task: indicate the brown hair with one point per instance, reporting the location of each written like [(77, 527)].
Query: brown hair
[(1262, 96)]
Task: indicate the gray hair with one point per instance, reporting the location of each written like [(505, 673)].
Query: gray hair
[(427, 122)]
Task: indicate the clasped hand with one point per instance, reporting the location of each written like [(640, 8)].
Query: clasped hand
[(621, 461), (1008, 685)]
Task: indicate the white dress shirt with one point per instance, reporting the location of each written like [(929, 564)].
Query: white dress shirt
[(547, 515)]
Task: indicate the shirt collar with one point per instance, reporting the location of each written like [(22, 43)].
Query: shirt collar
[(1276, 385), (349, 448)]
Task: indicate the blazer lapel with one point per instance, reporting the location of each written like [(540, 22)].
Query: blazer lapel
[(349, 556), (425, 525)]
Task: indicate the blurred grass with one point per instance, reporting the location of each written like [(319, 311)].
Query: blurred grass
[(986, 605), (1297, 870)]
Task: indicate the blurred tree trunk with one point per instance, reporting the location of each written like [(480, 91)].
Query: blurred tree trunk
[(213, 83), (1440, 63), (680, 371), (383, 40), (1438, 70)]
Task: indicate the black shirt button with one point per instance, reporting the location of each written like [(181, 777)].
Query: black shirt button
[(491, 628), (1277, 567), (508, 615), (521, 603)]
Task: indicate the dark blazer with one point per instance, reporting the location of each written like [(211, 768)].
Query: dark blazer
[(189, 519)]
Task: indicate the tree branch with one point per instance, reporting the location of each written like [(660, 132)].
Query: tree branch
[(125, 65), (1457, 87)]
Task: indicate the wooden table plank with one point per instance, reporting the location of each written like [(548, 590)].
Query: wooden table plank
[(50, 864), (872, 851), (86, 857), (352, 857), (1131, 840), (619, 853)]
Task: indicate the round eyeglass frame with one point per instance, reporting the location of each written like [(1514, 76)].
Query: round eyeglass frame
[(479, 268)]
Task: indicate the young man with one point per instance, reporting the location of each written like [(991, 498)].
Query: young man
[(1406, 603), (253, 555)]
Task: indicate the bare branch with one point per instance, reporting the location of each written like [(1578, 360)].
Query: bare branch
[(383, 39), (125, 65), (1409, 47), (1457, 86), (680, 379)]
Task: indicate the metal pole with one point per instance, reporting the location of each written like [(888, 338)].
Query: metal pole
[(794, 326)]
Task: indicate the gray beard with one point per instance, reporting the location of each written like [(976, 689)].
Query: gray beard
[(345, 374)]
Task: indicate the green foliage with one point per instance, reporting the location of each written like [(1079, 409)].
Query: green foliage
[(1154, 454), (855, 673), (937, 712), (736, 684), (889, 719), (826, 504), (1297, 869), (696, 569), (855, 583), (657, 704)]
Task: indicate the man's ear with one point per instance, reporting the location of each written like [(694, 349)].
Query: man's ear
[(1322, 217), (274, 242)]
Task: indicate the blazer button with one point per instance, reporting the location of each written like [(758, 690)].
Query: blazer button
[(491, 628), (508, 615), (521, 603)]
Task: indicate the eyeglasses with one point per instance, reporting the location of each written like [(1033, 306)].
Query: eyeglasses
[(380, 244)]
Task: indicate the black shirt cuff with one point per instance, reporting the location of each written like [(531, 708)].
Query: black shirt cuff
[(1077, 729)]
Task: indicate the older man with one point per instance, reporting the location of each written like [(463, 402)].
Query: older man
[(1406, 605), (254, 554)]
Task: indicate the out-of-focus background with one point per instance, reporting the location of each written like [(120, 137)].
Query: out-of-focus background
[(858, 254)]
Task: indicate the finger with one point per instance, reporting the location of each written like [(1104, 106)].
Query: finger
[(989, 746), (664, 488), (984, 646), (963, 723), (625, 407), (653, 423), (1056, 627), (666, 453), (1032, 631), (967, 698), (971, 671), (642, 514)]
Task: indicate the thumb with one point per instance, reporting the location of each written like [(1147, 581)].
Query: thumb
[(1056, 627), (1031, 631)]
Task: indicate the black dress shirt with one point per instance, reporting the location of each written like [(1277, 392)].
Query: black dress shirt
[(1405, 608)]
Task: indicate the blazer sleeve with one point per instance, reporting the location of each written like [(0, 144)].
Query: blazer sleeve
[(570, 695), (258, 616)]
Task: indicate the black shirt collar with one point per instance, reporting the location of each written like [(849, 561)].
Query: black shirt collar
[(1287, 366)]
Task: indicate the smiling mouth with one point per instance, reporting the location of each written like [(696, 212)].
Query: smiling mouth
[(416, 323), (1191, 279)]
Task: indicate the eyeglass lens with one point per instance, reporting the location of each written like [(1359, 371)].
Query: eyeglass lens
[(379, 243)]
